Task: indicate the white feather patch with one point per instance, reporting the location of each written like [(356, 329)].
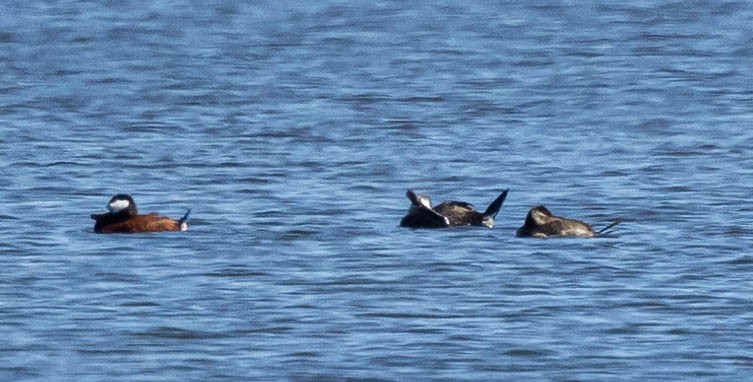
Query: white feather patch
[(424, 200), (117, 205)]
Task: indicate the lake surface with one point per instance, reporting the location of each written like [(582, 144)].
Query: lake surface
[(292, 132)]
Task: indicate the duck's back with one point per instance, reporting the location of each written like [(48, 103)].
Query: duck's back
[(563, 227), (572, 227), (458, 213)]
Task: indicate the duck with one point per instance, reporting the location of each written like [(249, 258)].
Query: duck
[(449, 213), (540, 222), (123, 217)]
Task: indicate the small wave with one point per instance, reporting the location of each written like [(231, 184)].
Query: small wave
[(742, 260), (169, 332), (529, 353), (235, 272)]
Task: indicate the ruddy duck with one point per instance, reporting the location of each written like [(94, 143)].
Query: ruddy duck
[(123, 217), (448, 214), (540, 222)]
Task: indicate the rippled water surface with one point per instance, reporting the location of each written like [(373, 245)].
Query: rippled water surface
[(293, 131)]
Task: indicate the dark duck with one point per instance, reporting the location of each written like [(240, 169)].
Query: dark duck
[(540, 222), (124, 217), (448, 214)]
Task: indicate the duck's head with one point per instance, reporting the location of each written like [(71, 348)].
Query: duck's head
[(418, 200), (538, 215), (122, 203)]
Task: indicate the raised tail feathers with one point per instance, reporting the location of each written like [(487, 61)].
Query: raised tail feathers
[(609, 227), (182, 222), (495, 206)]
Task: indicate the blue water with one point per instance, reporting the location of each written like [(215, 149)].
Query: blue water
[(293, 131)]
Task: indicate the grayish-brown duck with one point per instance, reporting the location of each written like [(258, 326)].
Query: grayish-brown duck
[(540, 222), (448, 214)]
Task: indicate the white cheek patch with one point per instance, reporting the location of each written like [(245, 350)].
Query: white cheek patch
[(117, 205), (426, 202), (539, 218)]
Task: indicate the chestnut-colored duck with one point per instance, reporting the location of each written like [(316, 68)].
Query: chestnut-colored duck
[(123, 217)]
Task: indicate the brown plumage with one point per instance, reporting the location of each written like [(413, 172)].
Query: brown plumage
[(123, 217), (448, 214), (540, 222)]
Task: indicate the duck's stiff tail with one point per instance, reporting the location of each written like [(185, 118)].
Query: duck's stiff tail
[(608, 228), (493, 208), (182, 222)]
